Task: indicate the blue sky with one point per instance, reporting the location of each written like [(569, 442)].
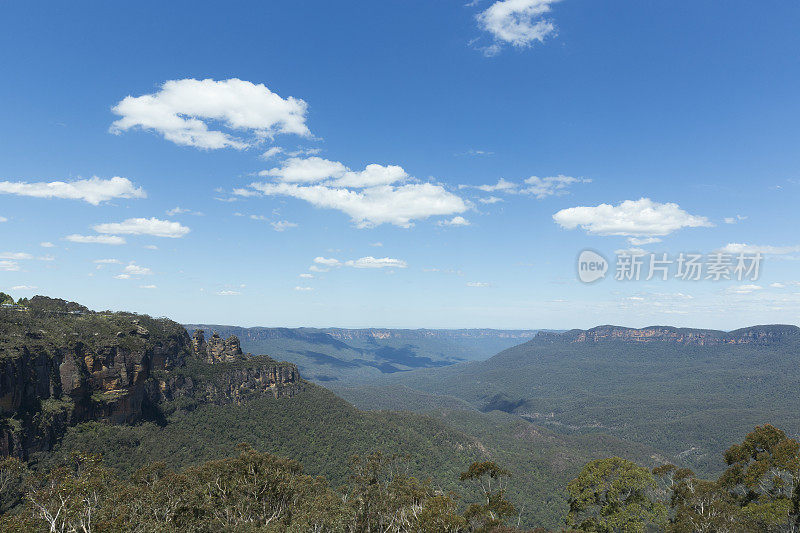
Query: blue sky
[(339, 164)]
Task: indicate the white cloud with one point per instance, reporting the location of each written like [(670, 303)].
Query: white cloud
[(299, 288), (258, 217), (182, 110), (181, 211), (47, 244), (516, 22), (95, 239), (315, 268), (147, 287), (742, 248), (272, 152), (228, 293), (734, 220), (745, 289), (46, 258), (478, 284), (3, 219), (150, 247), (307, 276), (24, 287), (282, 225), (641, 241), (144, 226), (374, 262), (102, 262), (550, 186), (317, 169), (306, 170), (136, 270), (16, 256), (123, 276), (501, 185), (490, 200), (777, 285), (398, 205), (93, 190), (642, 217), (376, 244), (455, 221), (327, 261), (9, 266)]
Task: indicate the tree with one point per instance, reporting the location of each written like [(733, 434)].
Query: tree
[(614, 495), (764, 477), (494, 508)]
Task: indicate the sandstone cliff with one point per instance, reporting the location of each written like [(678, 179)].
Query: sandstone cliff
[(61, 364), (761, 335)]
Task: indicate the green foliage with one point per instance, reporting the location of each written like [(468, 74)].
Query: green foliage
[(614, 495)]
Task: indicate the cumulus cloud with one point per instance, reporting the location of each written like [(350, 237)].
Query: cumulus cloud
[(642, 241), (327, 261), (136, 270), (374, 262), (304, 170), (93, 190), (144, 226), (455, 221), (182, 110), (398, 205), (16, 256), (47, 244), (282, 225), (516, 22), (95, 239), (306, 276), (742, 248), (635, 218)]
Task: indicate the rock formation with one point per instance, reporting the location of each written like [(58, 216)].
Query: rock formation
[(61, 368)]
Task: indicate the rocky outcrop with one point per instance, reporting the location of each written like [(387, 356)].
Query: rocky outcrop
[(761, 335), (61, 365)]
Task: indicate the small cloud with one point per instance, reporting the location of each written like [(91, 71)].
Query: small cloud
[(147, 287), (299, 288), (181, 211), (144, 226), (136, 270), (744, 289), (478, 284), (777, 285), (490, 200), (377, 244), (307, 276), (455, 221), (24, 287), (272, 152), (3, 219), (94, 190), (150, 247), (107, 261), (327, 261), (374, 262), (47, 244), (315, 268), (46, 258), (282, 225), (123, 276), (95, 239), (16, 256), (228, 293), (742, 248), (9, 266), (641, 241)]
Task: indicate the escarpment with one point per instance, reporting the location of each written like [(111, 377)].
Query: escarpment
[(758, 335), (61, 364)]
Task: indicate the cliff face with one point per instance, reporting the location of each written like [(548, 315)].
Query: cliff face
[(761, 335), (61, 367)]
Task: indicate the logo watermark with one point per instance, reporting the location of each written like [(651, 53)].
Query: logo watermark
[(631, 266)]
